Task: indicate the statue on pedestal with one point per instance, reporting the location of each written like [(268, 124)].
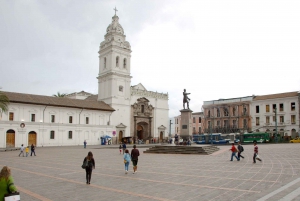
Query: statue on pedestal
[(186, 99)]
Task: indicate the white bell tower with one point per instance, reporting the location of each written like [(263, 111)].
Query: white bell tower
[(114, 78)]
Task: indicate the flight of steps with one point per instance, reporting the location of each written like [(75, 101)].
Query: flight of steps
[(204, 150)]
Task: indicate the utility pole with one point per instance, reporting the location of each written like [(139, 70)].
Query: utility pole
[(170, 128), (275, 110)]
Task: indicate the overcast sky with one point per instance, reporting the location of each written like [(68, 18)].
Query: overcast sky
[(215, 48)]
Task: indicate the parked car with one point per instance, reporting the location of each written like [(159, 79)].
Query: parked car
[(296, 140)]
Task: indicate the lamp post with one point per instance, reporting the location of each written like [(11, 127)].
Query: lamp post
[(170, 128), (275, 110), (210, 133)]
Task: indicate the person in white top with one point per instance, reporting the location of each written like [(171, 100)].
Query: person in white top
[(22, 150)]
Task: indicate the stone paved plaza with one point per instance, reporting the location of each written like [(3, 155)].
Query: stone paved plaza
[(56, 174)]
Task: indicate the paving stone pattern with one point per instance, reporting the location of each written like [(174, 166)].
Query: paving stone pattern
[(56, 174)]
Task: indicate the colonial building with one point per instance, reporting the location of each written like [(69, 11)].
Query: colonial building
[(197, 123), (119, 110), (282, 108), (227, 115)]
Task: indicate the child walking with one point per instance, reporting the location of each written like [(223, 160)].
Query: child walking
[(127, 160), (255, 155), (240, 150), (233, 154), (27, 151)]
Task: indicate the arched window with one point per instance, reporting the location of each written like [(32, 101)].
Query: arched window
[(124, 63), (70, 135), (117, 61), (104, 62)]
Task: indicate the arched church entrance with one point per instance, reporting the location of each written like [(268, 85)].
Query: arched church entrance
[(161, 136), (120, 136), (31, 138), (140, 132), (10, 138)]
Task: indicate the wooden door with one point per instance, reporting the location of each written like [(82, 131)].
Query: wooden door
[(10, 138), (32, 138), (161, 137), (120, 136)]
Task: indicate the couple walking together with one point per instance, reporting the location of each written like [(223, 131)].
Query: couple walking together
[(133, 156)]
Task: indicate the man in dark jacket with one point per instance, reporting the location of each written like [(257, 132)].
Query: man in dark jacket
[(134, 158), (240, 150)]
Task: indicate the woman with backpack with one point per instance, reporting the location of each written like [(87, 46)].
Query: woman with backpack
[(90, 165), (127, 159)]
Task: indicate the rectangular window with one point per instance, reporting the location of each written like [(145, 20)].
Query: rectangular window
[(177, 130), (70, 119), (274, 119), (11, 116), (293, 107), (234, 123), (226, 123), (32, 117), (194, 120), (52, 133), (257, 109), (293, 119), (86, 120), (281, 119), (267, 108), (208, 123), (281, 107), (52, 118), (194, 129), (199, 129), (218, 123), (245, 123), (199, 119), (267, 119), (70, 134), (143, 109), (257, 121)]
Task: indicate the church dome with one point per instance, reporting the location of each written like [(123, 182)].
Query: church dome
[(115, 27)]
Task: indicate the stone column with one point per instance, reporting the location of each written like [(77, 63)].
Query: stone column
[(134, 135), (150, 127)]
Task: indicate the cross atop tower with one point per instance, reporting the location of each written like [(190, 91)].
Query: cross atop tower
[(115, 9)]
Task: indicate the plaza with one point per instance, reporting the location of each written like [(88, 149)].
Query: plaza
[(56, 174)]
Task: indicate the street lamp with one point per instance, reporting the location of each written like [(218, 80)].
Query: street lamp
[(275, 110)]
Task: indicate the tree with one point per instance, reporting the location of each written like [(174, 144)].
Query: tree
[(4, 101), (60, 95)]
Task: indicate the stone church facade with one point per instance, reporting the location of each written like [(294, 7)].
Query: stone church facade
[(119, 110)]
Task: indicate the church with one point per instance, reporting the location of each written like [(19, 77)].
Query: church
[(119, 112)]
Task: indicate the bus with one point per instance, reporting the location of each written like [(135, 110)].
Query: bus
[(258, 137), (199, 139), (232, 137), (216, 138)]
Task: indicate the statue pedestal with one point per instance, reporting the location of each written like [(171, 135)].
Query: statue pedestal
[(186, 124)]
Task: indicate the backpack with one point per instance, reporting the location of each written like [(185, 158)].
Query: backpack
[(242, 148)]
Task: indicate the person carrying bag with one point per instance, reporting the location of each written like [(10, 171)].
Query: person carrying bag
[(8, 191)]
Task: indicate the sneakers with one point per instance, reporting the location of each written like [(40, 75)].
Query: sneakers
[(126, 172)]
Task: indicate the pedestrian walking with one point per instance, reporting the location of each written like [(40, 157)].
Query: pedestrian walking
[(84, 144), (32, 150), (27, 151), (120, 148), (22, 150), (233, 152), (176, 139), (124, 147), (240, 150), (6, 182), (134, 158), (255, 155), (127, 159), (89, 159)]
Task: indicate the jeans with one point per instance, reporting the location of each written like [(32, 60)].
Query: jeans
[(22, 152), (240, 155), (254, 157), (32, 151), (126, 166), (233, 155), (84, 145)]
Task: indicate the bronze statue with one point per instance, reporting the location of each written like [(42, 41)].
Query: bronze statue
[(186, 99)]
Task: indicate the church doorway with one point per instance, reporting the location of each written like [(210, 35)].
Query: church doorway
[(31, 138), (10, 138), (161, 136), (120, 136), (140, 132)]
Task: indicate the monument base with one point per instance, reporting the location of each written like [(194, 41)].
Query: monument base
[(186, 124)]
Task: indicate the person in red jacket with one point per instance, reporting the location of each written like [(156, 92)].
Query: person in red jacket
[(233, 152)]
